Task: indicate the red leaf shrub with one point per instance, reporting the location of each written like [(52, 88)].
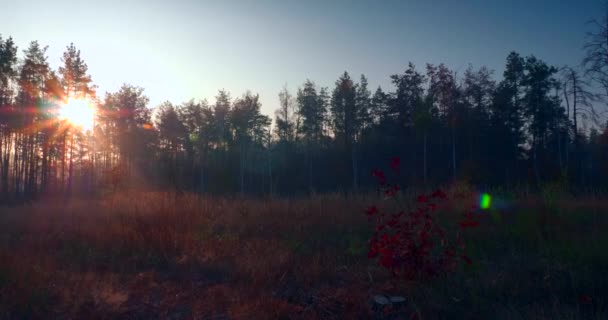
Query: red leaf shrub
[(372, 210), (378, 174), (412, 245), (395, 162), (585, 299)]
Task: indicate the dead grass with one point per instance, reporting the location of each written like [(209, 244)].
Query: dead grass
[(157, 256)]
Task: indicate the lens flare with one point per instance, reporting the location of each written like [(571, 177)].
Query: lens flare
[(485, 201), (79, 113)]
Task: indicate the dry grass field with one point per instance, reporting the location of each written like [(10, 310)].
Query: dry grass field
[(158, 256)]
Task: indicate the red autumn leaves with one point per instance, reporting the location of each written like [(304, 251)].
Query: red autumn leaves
[(412, 244), (380, 176), (395, 163), (469, 220), (371, 211)]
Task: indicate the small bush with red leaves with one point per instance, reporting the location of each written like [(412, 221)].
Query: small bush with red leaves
[(411, 244)]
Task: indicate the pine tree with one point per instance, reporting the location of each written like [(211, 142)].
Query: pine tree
[(8, 74), (74, 78), (506, 120), (285, 125), (311, 110), (542, 109), (346, 121), (33, 108)]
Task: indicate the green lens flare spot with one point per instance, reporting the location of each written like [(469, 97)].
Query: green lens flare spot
[(485, 201)]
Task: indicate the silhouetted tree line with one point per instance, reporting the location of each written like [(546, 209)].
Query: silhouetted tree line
[(537, 124)]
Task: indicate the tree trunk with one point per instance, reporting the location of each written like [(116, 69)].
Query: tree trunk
[(577, 160), (566, 147), (310, 187), (71, 167), (44, 169), (354, 165), (242, 168), (535, 159), (63, 156), (269, 170), (424, 158), (453, 152), (202, 172), (2, 190)]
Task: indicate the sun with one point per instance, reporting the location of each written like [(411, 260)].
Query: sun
[(79, 113)]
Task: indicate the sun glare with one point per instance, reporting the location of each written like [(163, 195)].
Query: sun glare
[(80, 113)]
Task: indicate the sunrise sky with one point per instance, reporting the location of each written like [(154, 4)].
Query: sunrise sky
[(181, 49)]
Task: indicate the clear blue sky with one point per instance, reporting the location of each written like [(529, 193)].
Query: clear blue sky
[(184, 49)]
